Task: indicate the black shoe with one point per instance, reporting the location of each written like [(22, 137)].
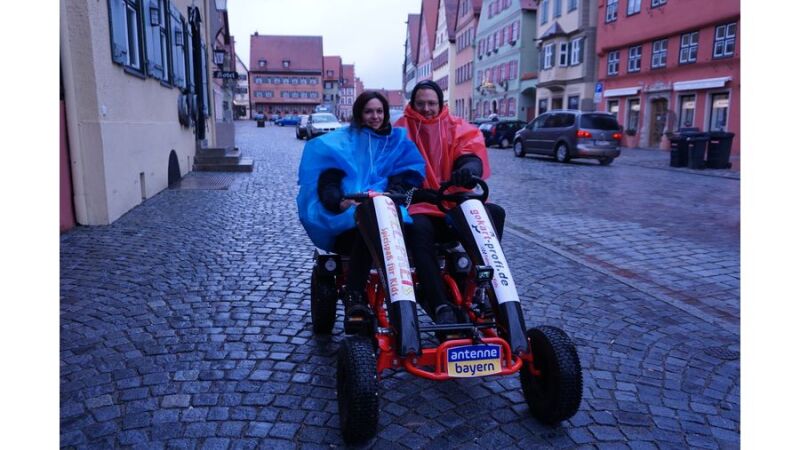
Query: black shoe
[(445, 315), (358, 318)]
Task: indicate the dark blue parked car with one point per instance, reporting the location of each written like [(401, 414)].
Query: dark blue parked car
[(287, 120)]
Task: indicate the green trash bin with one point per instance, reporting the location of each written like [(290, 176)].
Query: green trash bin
[(719, 150), (697, 143)]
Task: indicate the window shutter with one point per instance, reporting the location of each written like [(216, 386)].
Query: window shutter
[(188, 39), (204, 68), (179, 48), (119, 39), (152, 37)]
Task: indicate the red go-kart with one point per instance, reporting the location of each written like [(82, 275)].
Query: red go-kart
[(492, 342)]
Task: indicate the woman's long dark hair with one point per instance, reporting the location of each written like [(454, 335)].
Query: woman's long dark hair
[(358, 109)]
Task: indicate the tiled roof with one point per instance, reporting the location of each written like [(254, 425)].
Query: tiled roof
[(303, 52), (332, 63), (413, 31), (430, 9), (451, 10), (349, 75)]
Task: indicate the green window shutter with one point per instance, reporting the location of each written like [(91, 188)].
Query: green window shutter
[(178, 37), (119, 35), (152, 37)]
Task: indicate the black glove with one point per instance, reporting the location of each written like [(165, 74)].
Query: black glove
[(464, 177), (424, 196)]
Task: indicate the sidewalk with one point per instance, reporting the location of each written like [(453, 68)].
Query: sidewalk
[(659, 159)]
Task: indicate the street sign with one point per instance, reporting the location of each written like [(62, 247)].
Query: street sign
[(598, 92), (226, 75)]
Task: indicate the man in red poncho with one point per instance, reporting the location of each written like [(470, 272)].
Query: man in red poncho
[(453, 150)]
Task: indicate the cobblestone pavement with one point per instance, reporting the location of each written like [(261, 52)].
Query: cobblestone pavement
[(185, 324)]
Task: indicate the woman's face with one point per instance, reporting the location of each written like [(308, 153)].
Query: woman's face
[(373, 114)]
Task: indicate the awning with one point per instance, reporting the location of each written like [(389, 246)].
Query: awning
[(621, 92), (708, 83)]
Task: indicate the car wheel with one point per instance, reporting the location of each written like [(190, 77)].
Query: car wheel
[(504, 143), (297, 134), (562, 153), (518, 150), (553, 384), (606, 160), (357, 389)]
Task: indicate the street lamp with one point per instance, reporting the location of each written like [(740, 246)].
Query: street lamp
[(221, 5), (219, 57)]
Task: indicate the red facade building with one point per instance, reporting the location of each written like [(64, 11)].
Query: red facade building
[(285, 74), (669, 64)]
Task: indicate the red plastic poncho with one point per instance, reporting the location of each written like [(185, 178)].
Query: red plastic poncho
[(441, 140)]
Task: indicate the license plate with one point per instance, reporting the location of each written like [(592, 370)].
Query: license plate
[(469, 361), (603, 143)]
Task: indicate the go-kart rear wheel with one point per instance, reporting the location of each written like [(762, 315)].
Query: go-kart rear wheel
[(323, 303), (357, 389), (555, 393)]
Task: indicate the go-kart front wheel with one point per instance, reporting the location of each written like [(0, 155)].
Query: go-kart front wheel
[(553, 387), (357, 389), (323, 303)]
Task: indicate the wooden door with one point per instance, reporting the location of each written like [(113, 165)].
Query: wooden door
[(658, 120)]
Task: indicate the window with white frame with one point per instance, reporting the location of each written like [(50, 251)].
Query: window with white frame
[(563, 54), (635, 59), (719, 112), (126, 36), (634, 6), (611, 10), (556, 8), (572, 5), (689, 45), (613, 62), (657, 3), (548, 55), (659, 57), (613, 108), (576, 54), (724, 40)]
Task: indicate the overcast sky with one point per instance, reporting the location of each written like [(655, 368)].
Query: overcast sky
[(368, 33)]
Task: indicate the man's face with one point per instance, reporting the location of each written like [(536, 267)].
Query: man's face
[(426, 103)]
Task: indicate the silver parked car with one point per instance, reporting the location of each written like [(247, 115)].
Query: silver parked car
[(321, 123), (567, 134)]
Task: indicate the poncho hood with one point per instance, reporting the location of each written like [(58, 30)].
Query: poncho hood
[(441, 140), (367, 160)]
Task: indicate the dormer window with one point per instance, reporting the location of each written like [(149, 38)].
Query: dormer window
[(285, 63), (262, 63)]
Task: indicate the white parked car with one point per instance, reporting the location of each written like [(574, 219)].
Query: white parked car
[(321, 123)]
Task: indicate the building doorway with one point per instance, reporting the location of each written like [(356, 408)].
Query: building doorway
[(658, 121)]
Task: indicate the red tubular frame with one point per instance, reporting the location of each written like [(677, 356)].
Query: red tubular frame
[(435, 357)]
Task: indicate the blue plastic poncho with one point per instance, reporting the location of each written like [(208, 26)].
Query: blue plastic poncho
[(367, 159)]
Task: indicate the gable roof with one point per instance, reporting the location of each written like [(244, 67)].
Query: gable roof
[(413, 33), (451, 11), (348, 75), (430, 9), (333, 63), (303, 52)]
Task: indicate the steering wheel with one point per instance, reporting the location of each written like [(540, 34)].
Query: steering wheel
[(460, 197)]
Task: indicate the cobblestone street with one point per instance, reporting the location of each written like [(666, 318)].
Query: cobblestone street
[(186, 323)]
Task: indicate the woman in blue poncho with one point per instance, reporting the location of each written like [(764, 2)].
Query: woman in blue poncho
[(369, 155)]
